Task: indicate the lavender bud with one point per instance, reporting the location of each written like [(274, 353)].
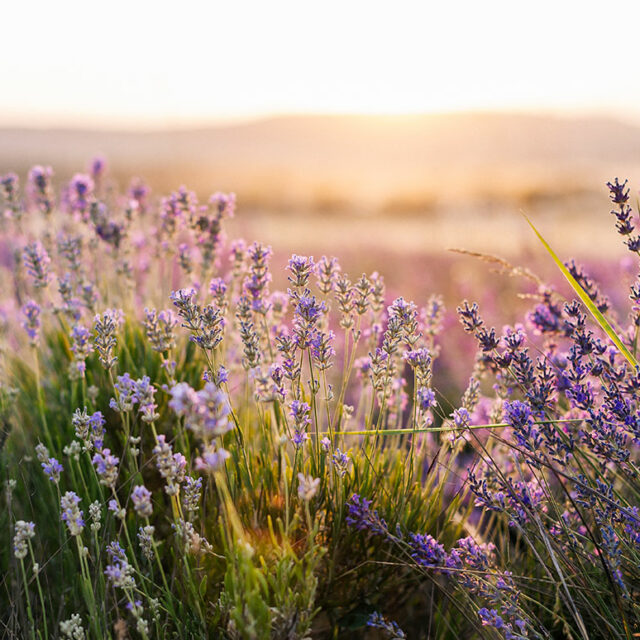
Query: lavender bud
[(37, 261), (105, 328)]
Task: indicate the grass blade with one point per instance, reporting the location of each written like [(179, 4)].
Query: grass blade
[(595, 312)]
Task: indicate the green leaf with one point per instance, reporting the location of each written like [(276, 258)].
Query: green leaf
[(202, 589), (595, 312)]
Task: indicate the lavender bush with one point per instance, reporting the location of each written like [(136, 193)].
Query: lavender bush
[(188, 452)]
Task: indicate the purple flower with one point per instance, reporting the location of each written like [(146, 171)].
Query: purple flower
[(126, 387), (79, 195), (426, 550), (53, 469), (300, 412), (363, 518), (223, 204), (490, 618), (98, 167), (37, 261), (9, 184), (106, 467), (301, 267), (519, 417), (327, 270), (170, 465), (141, 498), (299, 438), (206, 411), (212, 458), (391, 628), (138, 193), (256, 284), (119, 572), (39, 187), (145, 397), (425, 398), (24, 532), (322, 349), (72, 516), (31, 325)]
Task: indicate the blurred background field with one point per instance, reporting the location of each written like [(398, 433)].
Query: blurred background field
[(405, 184), (393, 194)]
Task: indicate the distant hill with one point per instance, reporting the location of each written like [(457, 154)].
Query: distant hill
[(336, 163)]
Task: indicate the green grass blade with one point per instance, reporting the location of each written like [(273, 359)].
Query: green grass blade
[(595, 312)]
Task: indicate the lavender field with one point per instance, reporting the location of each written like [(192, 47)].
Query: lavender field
[(206, 438)]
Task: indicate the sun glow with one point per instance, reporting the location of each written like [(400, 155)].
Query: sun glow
[(149, 64)]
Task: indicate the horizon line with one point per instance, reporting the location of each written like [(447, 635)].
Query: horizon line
[(134, 124)]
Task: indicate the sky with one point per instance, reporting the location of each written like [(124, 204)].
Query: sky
[(158, 64)]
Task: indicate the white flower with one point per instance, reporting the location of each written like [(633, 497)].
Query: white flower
[(308, 486)]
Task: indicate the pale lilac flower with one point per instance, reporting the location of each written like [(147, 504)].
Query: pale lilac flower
[(72, 516), (117, 511), (327, 271), (31, 325), (79, 195), (212, 458), (159, 328), (37, 261), (119, 572), (126, 388), (39, 188), (138, 193), (145, 538), (145, 397), (81, 348), (206, 411), (24, 532), (340, 462), (98, 168), (170, 465), (9, 183), (106, 467), (141, 498), (192, 491), (105, 341), (89, 428), (307, 487), (301, 267), (223, 203), (42, 453)]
